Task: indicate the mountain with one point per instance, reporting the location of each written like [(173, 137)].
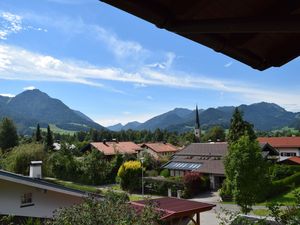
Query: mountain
[(118, 127), (264, 116), (33, 106), (131, 125)]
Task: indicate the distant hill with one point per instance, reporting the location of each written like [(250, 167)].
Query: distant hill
[(33, 106), (265, 116), (118, 127)]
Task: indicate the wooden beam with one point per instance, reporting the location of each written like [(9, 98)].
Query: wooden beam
[(198, 218), (280, 24)]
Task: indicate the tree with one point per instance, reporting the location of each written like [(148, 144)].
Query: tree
[(49, 138), (96, 168), (38, 135), (110, 210), (8, 134), (215, 133), (130, 176), (239, 127), (246, 172)]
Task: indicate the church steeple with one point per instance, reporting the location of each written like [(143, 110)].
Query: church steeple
[(197, 130)]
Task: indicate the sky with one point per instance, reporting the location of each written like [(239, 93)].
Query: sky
[(115, 67)]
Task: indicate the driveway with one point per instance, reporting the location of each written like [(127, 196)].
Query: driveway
[(210, 217)]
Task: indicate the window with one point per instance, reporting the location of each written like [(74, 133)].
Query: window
[(288, 154), (26, 200)]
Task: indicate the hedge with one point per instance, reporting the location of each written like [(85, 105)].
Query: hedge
[(283, 185), (160, 186)]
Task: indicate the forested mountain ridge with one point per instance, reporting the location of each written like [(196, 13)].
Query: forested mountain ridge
[(264, 116), (33, 106)]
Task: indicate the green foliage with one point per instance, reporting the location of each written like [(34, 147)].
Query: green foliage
[(158, 186), (289, 215), (8, 134), (18, 160), (96, 168), (246, 172), (130, 176), (283, 185), (63, 165), (194, 183), (165, 173), (49, 139), (239, 127), (279, 172), (38, 135), (215, 134), (111, 210)]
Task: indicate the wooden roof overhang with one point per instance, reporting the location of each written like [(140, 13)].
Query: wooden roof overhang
[(174, 208), (259, 33)]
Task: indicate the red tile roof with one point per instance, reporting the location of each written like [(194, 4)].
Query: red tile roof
[(112, 148), (174, 207), (160, 147), (294, 159), (281, 142)]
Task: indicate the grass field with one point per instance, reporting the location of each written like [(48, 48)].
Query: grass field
[(56, 130), (284, 199)]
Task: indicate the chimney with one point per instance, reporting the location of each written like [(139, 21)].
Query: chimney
[(104, 141), (36, 169)]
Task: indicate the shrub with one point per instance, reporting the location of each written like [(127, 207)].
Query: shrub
[(160, 186), (151, 173), (283, 185), (194, 183), (64, 166), (18, 160), (279, 172), (108, 211), (130, 176), (165, 173)]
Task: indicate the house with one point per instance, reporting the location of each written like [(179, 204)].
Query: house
[(24, 196), (287, 146), (207, 158), (111, 148), (295, 160), (160, 149)]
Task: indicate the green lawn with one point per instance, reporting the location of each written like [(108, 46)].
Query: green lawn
[(260, 212), (73, 185), (285, 199)]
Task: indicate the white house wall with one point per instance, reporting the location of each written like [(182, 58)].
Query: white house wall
[(45, 202), (288, 150)]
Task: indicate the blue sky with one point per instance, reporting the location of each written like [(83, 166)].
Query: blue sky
[(115, 67)]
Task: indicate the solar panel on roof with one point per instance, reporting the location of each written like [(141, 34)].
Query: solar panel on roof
[(183, 166)]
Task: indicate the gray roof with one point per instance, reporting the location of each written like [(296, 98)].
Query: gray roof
[(209, 155), (34, 182), (205, 149)]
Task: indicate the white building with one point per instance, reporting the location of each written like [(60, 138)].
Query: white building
[(287, 146), (33, 197)]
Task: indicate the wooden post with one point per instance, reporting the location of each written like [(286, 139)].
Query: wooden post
[(198, 218)]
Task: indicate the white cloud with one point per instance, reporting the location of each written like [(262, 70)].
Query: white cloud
[(170, 56), (139, 85), (149, 97), (29, 88), (8, 95), (9, 23), (12, 23), (228, 64), (36, 67)]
